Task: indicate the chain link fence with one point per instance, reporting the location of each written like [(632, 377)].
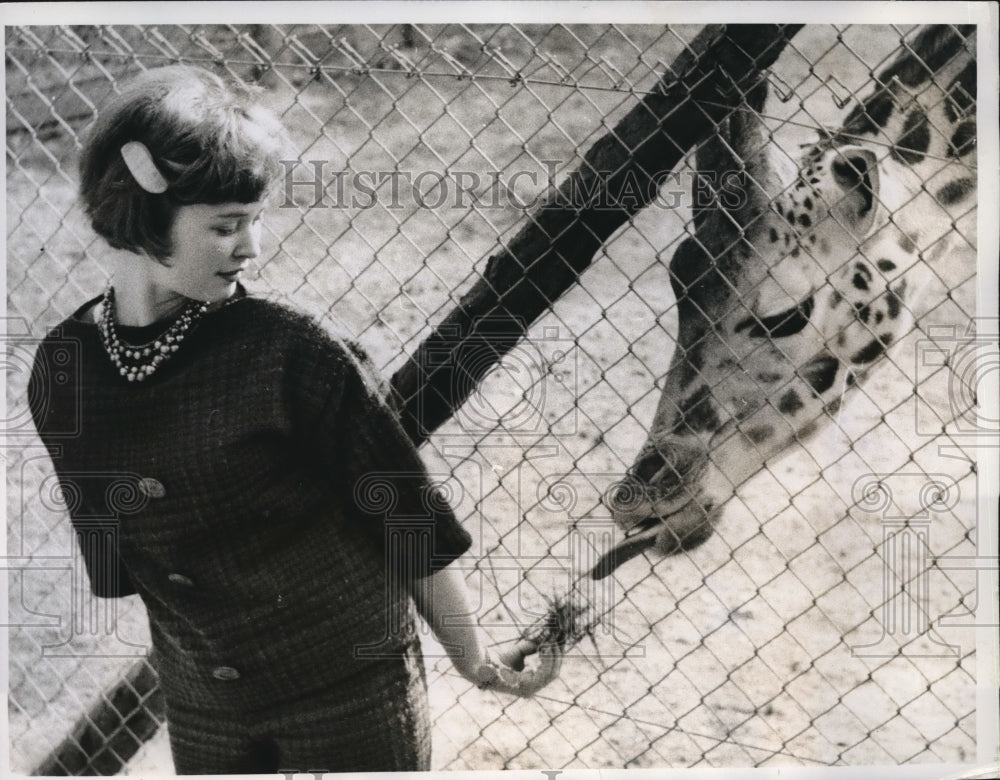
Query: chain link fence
[(815, 628)]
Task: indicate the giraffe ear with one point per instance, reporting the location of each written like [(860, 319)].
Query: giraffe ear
[(855, 170)]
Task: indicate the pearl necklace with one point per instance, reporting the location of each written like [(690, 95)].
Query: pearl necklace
[(137, 362)]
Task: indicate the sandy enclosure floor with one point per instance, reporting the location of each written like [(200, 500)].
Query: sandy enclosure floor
[(738, 654)]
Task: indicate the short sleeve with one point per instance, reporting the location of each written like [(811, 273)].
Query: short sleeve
[(105, 569), (98, 541), (384, 482)]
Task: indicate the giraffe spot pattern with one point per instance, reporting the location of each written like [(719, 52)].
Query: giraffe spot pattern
[(870, 116), (780, 325), (873, 349), (892, 304), (820, 373), (963, 140), (790, 403), (806, 431), (697, 413), (760, 433), (910, 72), (862, 276), (939, 47), (908, 242), (961, 93), (915, 139), (954, 191), (693, 362)]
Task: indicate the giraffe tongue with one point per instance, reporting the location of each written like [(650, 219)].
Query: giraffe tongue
[(625, 551)]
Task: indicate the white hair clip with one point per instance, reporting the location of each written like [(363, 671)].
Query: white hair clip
[(140, 164)]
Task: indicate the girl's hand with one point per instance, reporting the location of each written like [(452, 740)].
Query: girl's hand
[(493, 676), (440, 598)]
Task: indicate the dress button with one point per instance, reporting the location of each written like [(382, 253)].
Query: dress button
[(151, 487), (180, 579), (225, 673)]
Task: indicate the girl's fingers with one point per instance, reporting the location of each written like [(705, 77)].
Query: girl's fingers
[(529, 682), (550, 656), (514, 656)]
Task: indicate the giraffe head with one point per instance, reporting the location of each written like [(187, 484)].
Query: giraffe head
[(786, 299)]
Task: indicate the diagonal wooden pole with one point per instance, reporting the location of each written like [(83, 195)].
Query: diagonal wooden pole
[(619, 176)]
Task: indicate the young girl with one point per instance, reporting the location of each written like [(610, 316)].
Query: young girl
[(275, 520)]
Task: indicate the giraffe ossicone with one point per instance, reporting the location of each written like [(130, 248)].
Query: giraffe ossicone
[(787, 300)]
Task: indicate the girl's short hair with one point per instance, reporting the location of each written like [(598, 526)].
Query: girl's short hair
[(209, 138)]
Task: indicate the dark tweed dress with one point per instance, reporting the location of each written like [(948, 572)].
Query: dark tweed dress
[(262, 500)]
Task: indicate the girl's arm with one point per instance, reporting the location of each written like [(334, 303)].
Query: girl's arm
[(442, 600)]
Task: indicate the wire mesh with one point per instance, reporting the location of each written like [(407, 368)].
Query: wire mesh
[(818, 626)]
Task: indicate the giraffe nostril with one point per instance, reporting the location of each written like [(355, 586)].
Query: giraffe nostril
[(649, 465)]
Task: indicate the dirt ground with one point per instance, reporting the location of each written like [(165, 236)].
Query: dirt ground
[(764, 647)]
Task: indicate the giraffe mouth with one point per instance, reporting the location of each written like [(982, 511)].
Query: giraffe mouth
[(636, 507), (687, 526), (663, 481)]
